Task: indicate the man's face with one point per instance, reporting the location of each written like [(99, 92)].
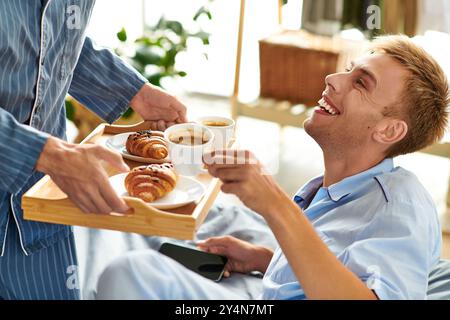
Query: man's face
[(353, 103)]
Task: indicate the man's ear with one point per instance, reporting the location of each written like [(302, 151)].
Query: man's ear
[(390, 131)]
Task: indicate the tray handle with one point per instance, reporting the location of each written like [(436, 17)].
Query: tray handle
[(138, 207), (116, 129)]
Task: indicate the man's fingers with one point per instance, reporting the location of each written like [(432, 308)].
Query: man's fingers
[(229, 174), (116, 203), (75, 194), (113, 158), (220, 250), (69, 192), (101, 205), (161, 125), (84, 202), (224, 158), (169, 124), (216, 249), (180, 109), (89, 187), (231, 187), (210, 241), (154, 125), (223, 241), (202, 247), (222, 162), (79, 203), (235, 153), (182, 118)]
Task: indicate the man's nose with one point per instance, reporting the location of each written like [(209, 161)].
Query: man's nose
[(336, 82)]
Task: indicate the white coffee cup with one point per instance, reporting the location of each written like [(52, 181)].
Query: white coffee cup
[(223, 135), (187, 159)]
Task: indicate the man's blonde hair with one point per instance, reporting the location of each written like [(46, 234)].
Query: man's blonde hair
[(425, 98)]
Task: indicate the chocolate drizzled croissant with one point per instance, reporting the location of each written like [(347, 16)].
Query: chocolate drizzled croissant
[(151, 182), (147, 144)]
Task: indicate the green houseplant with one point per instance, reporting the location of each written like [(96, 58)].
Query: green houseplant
[(153, 55)]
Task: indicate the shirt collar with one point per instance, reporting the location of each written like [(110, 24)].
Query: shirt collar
[(346, 186), (302, 196)]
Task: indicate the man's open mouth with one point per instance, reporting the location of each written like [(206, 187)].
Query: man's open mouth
[(327, 108)]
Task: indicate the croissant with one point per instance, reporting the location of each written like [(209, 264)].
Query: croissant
[(151, 182), (147, 144)]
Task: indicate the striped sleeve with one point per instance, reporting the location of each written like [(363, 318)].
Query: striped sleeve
[(20, 148), (103, 82)]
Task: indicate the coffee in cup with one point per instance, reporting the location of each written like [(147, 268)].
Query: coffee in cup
[(212, 123), (187, 143), (188, 137), (223, 129)]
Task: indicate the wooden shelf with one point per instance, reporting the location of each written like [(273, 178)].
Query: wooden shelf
[(445, 223), (441, 149)]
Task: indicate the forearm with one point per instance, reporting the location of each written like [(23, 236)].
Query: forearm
[(320, 273), (263, 257), (104, 82)]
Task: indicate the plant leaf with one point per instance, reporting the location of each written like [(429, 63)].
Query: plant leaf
[(160, 25), (202, 11), (146, 55), (169, 59), (175, 26), (127, 114), (155, 78), (122, 35), (70, 110), (146, 41), (204, 36)]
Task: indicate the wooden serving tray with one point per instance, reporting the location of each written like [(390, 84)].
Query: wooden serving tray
[(45, 202)]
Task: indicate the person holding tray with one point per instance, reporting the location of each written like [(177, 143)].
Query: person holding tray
[(363, 230), (45, 54)]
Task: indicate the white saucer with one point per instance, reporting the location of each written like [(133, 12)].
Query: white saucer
[(118, 142), (186, 191)]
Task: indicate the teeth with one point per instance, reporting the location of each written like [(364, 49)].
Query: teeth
[(327, 107)]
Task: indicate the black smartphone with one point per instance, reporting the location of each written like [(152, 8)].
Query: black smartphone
[(209, 265)]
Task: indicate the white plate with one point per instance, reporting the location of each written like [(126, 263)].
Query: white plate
[(118, 142), (186, 191)]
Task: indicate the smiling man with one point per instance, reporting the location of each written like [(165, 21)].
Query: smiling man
[(363, 230)]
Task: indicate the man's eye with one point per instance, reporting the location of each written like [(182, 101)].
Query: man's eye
[(361, 83), (348, 69)]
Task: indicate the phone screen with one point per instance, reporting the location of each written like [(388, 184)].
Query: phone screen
[(209, 265)]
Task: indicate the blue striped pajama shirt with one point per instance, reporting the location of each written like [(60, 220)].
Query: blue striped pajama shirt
[(44, 54)]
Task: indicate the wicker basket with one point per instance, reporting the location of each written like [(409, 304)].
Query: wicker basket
[(294, 64)]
